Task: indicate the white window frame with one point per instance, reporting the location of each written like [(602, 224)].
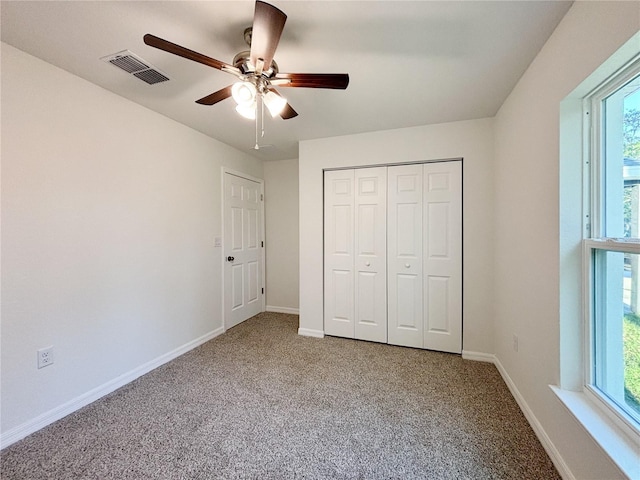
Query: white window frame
[(594, 239), (621, 419)]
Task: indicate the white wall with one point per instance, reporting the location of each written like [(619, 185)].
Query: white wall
[(528, 259), (109, 213), (470, 140), (282, 251)]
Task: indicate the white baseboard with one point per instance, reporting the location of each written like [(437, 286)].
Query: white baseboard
[(478, 356), (308, 332), (546, 442), (293, 311), (18, 433)]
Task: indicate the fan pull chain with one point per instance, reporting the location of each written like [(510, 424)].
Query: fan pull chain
[(262, 116), (259, 118), (256, 146)]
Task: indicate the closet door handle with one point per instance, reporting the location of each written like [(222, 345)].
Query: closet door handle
[(407, 265), (367, 264)]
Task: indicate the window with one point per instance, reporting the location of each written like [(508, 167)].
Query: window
[(612, 246)]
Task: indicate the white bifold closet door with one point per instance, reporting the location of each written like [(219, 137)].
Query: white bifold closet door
[(393, 255), (425, 256), (355, 253), (405, 323)]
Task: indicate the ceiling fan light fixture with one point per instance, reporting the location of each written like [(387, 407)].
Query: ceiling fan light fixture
[(275, 103), (247, 111), (244, 93), (255, 69)]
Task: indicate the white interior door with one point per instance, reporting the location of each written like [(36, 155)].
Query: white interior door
[(442, 207), (243, 249), (371, 254), (404, 262), (338, 253)]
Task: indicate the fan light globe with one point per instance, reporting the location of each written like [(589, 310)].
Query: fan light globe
[(244, 93), (275, 103), (247, 111)]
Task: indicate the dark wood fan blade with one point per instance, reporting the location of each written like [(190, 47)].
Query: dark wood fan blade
[(216, 97), (338, 81), (287, 112), (268, 22), (167, 46)]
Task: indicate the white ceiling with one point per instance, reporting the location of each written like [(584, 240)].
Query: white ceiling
[(410, 63)]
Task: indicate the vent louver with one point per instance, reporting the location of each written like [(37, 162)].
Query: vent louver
[(151, 76), (128, 63), (131, 63)]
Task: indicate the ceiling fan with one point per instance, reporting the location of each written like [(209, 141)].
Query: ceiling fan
[(257, 72)]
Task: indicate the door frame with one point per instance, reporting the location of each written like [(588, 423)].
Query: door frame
[(225, 171)]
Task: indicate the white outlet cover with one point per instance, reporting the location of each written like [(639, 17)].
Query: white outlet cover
[(45, 357)]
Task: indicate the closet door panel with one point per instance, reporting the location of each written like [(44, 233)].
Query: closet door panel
[(404, 261), (443, 256), (370, 254), (339, 253)]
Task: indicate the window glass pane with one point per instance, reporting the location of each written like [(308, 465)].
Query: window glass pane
[(621, 151), (617, 329)]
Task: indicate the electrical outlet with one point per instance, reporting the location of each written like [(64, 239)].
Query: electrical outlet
[(45, 357), (515, 343)]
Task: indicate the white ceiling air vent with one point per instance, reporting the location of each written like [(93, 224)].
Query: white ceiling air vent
[(131, 63)]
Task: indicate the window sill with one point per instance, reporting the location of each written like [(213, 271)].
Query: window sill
[(618, 446)]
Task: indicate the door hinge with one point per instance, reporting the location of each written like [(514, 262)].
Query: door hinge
[(261, 197), (263, 290), (262, 244)]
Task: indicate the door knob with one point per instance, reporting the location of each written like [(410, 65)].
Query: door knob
[(407, 265), (367, 264), (230, 259)]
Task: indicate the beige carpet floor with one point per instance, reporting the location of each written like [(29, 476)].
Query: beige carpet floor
[(261, 402)]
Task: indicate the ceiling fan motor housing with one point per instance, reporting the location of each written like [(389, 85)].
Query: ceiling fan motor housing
[(243, 62), (248, 32)]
